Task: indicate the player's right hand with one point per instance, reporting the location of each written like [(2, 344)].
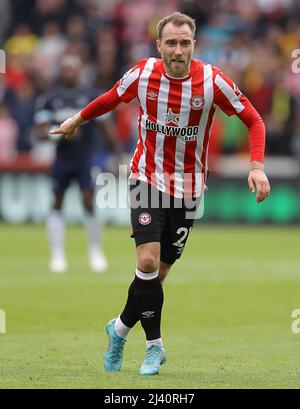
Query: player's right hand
[(258, 182), (68, 128)]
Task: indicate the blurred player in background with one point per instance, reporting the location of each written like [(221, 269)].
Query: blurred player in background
[(73, 160), (178, 96)]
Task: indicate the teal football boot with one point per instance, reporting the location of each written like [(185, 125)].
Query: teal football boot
[(155, 356), (114, 355)]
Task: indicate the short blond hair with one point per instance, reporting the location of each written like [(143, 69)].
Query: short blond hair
[(178, 19)]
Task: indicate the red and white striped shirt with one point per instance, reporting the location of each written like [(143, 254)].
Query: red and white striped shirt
[(174, 123)]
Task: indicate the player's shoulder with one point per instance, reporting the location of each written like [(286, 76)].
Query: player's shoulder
[(142, 63), (199, 65), (136, 70)]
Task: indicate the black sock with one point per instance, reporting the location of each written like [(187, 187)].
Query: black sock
[(149, 300), (130, 314)]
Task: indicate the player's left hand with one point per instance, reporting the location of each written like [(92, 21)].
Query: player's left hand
[(258, 182)]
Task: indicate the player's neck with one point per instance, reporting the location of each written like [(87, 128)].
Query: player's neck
[(177, 78)]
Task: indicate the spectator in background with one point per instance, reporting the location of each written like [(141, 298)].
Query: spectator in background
[(21, 101), (76, 29), (106, 49), (8, 134), (16, 71), (5, 17), (80, 43), (50, 49), (23, 42), (53, 10), (20, 11)]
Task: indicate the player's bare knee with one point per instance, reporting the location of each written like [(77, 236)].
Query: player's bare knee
[(148, 262)]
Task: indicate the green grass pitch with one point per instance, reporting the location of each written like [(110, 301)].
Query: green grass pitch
[(226, 319)]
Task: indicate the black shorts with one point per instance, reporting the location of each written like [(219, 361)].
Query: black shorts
[(158, 217)]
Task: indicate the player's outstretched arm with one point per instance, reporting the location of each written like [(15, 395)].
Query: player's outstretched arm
[(69, 127), (258, 181)]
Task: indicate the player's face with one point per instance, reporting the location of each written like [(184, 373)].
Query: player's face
[(176, 48)]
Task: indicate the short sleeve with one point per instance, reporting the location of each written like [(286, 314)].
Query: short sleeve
[(127, 86)]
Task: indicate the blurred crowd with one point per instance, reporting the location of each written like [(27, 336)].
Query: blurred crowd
[(252, 42)]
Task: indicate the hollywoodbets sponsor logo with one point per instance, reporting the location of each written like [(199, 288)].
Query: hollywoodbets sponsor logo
[(189, 133)]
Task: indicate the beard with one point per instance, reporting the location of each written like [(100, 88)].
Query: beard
[(184, 63)]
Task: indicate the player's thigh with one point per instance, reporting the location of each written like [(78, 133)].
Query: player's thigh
[(147, 221), (146, 225)]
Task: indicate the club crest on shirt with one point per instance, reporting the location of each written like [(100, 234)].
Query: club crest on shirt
[(197, 102), (145, 218)]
